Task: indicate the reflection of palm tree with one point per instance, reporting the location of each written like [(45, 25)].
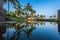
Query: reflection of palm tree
[(16, 34), (19, 27), (41, 23), (50, 22), (28, 31), (54, 23)]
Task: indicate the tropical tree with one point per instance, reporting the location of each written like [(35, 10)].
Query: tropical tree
[(18, 10), (14, 2), (54, 16), (50, 17), (32, 11), (34, 15), (28, 8), (41, 16), (37, 16)]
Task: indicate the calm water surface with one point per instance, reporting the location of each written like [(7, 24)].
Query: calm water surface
[(32, 31)]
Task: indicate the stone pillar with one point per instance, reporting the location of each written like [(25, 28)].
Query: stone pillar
[(2, 13), (1, 3), (59, 14), (59, 28)]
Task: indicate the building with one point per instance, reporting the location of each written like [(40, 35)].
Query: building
[(59, 14), (59, 28), (2, 13), (31, 18), (2, 31)]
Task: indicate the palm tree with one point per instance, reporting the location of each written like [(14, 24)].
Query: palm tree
[(43, 16), (14, 2), (18, 10), (32, 11), (28, 9), (37, 16), (34, 15), (5, 10), (50, 17), (54, 16)]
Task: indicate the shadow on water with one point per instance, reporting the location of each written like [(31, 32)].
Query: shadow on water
[(2, 31), (59, 28), (24, 30)]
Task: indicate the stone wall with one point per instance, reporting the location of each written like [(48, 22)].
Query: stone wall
[(2, 13), (59, 14), (1, 3)]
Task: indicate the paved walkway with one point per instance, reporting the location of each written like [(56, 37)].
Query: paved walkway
[(2, 22)]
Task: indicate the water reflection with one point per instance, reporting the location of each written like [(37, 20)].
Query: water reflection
[(20, 29), (59, 28), (2, 31), (53, 23)]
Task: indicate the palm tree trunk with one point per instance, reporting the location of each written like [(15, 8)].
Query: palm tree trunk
[(7, 28), (8, 7)]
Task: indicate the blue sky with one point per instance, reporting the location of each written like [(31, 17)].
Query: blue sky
[(44, 7)]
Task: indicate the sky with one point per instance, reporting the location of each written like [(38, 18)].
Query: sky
[(42, 7)]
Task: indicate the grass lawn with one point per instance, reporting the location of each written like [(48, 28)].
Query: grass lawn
[(50, 20)]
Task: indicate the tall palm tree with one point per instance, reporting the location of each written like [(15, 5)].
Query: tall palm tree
[(28, 9), (32, 11), (14, 2), (18, 10)]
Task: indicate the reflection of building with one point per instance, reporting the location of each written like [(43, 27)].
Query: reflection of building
[(2, 31), (2, 13), (58, 14), (59, 28)]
